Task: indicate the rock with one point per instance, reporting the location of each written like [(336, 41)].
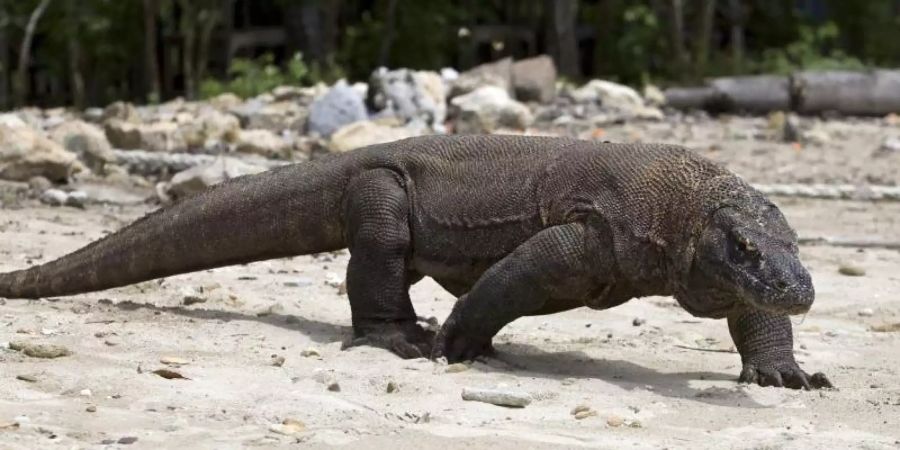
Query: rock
[(638, 321), (191, 296), (276, 117), (310, 353), (264, 143), (288, 427), (123, 111), (585, 414), (199, 178), (12, 120), (784, 127), (615, 421), (488, 109), (154, 137), (28, 378), (91, 409), (173, 361), (39, 184), (278, 361), (514, 399), (497, 74), (24, 154), (54, 197), (127, 440), (342, 105), (85, 393), (365, 133), (579, 409), (46, 351), (225, 101), (816, 136), (77, 199), (654, 96), (534, 79), (866, 312), (392, 387), (886, 328), (209, 126), (615, 97), (409, 95), (851, 270), (333, 386), (87, 141), (890, 145), (456, 368)]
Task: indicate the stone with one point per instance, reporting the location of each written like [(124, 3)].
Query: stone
[(653, 96), (54, 197), (123, 111), (28, 378), (615, 97), (890, 145), (12, 120), (278, 361), (91, 409), (392, 387), (638, 321), (488, 109), (46, 351), (866, 312), (365, 133), (154, 137), (209, 125), (197, 179), (77, 199), (509, 398), (310, 353), (276, 117), (497, 74), (409, 95), (456, 368), (173, 361), (263, 142), (225, 101), (615, 421), (25, 154), (288, 427), (86, 140), (342, 105), (852, 270), (534, 79)]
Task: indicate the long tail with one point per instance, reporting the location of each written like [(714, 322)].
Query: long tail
[(289, 211)]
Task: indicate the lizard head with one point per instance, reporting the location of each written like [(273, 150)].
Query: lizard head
[(747, 257)]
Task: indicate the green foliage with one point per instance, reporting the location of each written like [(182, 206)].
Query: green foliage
[(815, 49), (249, 77)]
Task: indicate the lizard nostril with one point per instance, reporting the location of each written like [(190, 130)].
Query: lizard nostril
[(781, 285)]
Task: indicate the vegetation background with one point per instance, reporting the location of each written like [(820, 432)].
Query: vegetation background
[(92, 52)]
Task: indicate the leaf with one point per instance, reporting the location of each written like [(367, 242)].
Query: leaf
[(170, 374)]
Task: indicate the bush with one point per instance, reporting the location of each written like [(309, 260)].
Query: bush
[(249, 78)]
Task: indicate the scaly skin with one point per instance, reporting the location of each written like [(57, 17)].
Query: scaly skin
[(512, 225)]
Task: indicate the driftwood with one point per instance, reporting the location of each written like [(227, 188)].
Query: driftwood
[(866, 93), (154, 163)]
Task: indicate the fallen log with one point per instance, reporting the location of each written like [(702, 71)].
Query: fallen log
[(874, 92)]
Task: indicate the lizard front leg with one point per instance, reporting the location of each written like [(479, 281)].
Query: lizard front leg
[(549, 267), (766, 345)]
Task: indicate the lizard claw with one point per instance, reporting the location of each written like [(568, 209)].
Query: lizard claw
[(406, 340), (782, 374), (450, 343)]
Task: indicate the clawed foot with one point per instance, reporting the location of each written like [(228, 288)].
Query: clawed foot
[(406, 339), (456, 346), (782, 374)]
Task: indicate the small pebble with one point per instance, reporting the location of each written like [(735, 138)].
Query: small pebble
[(392, 387), (173, 361), (638, 321), (585, 414), (91, 409), (277, 360), (288, 427), (852, 270), (310, 353), (28, 378), (615, 421), (85, 393), (514, 399), (334, 386), (866, 312), (127, 440), (580, 408)]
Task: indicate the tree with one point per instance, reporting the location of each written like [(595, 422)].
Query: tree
[(561, 39), (151, 10), (73, 21), (21, 83)]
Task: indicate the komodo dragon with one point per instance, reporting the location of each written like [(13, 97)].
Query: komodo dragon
[(513, 226)]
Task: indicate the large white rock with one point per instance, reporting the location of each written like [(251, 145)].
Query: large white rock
[(154, 137), (409, 95), (197, 179), (614, 96), (365, 133), (24, 154), (487, 109), (85, 140)]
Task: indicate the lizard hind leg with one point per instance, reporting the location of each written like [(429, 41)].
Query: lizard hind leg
[(376, 215)]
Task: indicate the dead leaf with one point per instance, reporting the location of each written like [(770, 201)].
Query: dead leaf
[(170, 374)]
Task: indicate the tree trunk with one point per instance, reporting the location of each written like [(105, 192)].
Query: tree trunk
[(561, 39), (704, 36), (21, 84), (384, 55), (189, 36), (4, 58), (209, 19), (74, 50), (678, 47), (151, 67), (737, 35)]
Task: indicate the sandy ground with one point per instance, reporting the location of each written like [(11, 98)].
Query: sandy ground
[(671, 380)]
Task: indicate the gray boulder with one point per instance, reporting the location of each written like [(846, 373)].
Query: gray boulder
[(534, 79), (409, 95), (342, 105)]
